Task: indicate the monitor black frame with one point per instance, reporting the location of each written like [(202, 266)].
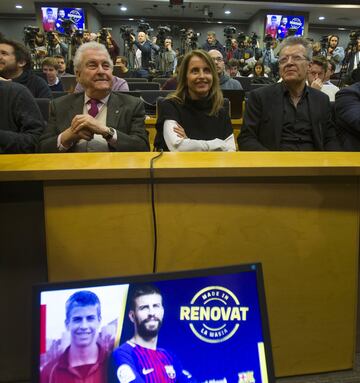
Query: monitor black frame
[(148, 278)]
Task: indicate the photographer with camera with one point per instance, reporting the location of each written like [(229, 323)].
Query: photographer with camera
[(268, 56), (104, 37), (143, 53), (352, 54), (335, 53), (55, 44), (212, 43)]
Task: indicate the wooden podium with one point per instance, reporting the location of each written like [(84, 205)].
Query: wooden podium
[(296, 213)]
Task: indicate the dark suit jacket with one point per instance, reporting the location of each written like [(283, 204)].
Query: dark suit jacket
[(263, 120), (347, 111), (125, 113)]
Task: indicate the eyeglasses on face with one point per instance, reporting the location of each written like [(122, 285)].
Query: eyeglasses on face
[(218, 59), (294, 58)]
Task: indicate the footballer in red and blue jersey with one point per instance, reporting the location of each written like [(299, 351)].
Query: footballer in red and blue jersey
[(133, 363)]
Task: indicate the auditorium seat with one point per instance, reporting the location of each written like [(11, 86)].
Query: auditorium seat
[(245, 82), (144, 86), (59, 94), (160, 80), (236, 98), (136, 79), (68, 83)]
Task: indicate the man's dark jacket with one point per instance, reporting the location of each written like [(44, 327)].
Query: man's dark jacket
[(146, 52), (263, 120), (21, 122), (37, 85), (208, 47)]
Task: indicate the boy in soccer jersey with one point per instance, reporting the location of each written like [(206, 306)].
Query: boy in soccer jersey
[(139, 360)]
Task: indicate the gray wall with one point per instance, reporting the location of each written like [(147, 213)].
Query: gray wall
[(12, 27)]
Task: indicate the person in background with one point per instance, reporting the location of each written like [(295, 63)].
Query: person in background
[(15, 65), (226, 82), (336, 53), (50, 69), (212, 43), (61, 66), (316, 77), (259, 70), (143, 53), (232, 68), (193, 117), (122, 63)]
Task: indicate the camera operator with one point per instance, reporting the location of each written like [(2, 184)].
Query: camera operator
[(245, 52), (335, 53), (233, 52), (143, 53), (104, 37), (212, 43), (168, 58), (268, 55), (353, 51), (55, 44), (188, 40)]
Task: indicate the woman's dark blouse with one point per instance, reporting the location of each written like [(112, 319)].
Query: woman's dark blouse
[(194, 117)]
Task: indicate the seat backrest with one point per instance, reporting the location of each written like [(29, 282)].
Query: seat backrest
[(245, 82), (144, 86), (44, 104), (160, 80), (136, 79), (236, 98), (68, 83), (59, 94)]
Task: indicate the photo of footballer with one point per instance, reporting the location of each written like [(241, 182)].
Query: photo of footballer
[(139, 360)]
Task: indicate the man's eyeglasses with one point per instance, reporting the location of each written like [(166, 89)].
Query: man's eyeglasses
[(294, 58), (218, 59)]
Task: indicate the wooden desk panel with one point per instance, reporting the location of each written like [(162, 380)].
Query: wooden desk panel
[(297, 213)]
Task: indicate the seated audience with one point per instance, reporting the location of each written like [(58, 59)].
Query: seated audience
[(21, 119), (193, 118), (347, 110), (316, 77), (98, 119), (259, 70), (15, 65), (289, 115), (61, 66), (50, 69), (122, 63), (225, 81), (232, 68)]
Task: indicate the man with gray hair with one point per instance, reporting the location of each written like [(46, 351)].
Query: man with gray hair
[(97, 120), (289, 115)]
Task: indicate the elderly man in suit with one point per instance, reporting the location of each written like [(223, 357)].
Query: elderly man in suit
[(289, 115), (96, 120)]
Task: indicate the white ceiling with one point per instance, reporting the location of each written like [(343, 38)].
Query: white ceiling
[(341, 15)]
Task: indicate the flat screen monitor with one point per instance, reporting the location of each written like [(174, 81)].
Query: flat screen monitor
[(61, 18), (195, 326), (281, 26)]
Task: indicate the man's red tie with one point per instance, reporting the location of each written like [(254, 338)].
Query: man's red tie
[(94, 110)]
